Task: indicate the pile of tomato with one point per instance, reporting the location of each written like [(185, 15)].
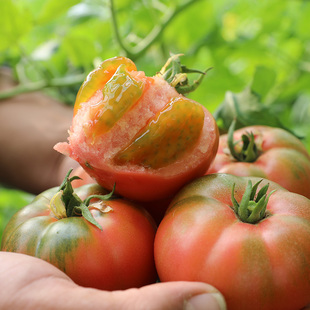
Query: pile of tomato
[(232, 210)]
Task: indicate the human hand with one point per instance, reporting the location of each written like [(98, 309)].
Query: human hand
[(31, 283), (30, 125)]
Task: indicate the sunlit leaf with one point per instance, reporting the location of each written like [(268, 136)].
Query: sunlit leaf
[(16, 21), (247, 109), (54, 8), (263, 81), (10, 202)]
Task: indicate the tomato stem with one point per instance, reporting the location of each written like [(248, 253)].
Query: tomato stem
[(66, 203), (249, 151), (102, 197), (252, 207), (176, 75)]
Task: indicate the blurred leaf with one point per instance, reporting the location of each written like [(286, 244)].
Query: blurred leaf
[(303, 23), (301, 110), (80, 50), (16, 21), (11, 201), (54, 8), (247, 109), (263, 81), (300, 116), (46, 50)]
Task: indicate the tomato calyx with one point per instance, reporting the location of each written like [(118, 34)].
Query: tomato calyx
[(66, 203), (252, 207), (249, 151), (176, 75)]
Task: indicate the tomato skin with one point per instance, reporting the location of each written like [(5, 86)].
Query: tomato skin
[(118, 257), (283, 159), (256, 266), (84, 177)]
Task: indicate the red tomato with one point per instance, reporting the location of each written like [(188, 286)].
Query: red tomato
[(84, 177), (258, 258), (108, 245), (139, 133), (156, 208), (266, 152)]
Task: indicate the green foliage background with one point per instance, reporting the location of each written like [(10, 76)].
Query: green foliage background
[(265, 45)]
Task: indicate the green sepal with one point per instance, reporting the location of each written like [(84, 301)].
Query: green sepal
[(249, 151), (102, 197), (82, 210), (254, 189), (248, 110), (69, 198), (233, 199), (243, 206), (65, 181), (262, 192), (252, 207), (176, 75), (74, 205)]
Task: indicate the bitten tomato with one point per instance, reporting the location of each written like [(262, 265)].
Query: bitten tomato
[(254, 248), (266, 152), (139, 132), (102, 243)]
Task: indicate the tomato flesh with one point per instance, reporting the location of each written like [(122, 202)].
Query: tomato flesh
[(172, 131), (120, 93), (99, 77)]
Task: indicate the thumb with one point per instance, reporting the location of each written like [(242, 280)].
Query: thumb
[(170, 295), (32, 283)]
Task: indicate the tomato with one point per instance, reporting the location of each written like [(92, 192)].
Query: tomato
[(83, 177), (266, 152), (254, 248), (102, 243), (139, 132), (156, 208)]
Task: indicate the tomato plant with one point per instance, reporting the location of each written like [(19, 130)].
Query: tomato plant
[(141, 133), (267, 152), (100, 242), (249, 241)]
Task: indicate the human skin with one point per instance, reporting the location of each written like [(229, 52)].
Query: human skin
[(31, 283), (30, 125)]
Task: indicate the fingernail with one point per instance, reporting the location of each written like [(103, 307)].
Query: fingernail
[(206, 301)]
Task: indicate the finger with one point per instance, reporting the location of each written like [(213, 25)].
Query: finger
[(170, 295)]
